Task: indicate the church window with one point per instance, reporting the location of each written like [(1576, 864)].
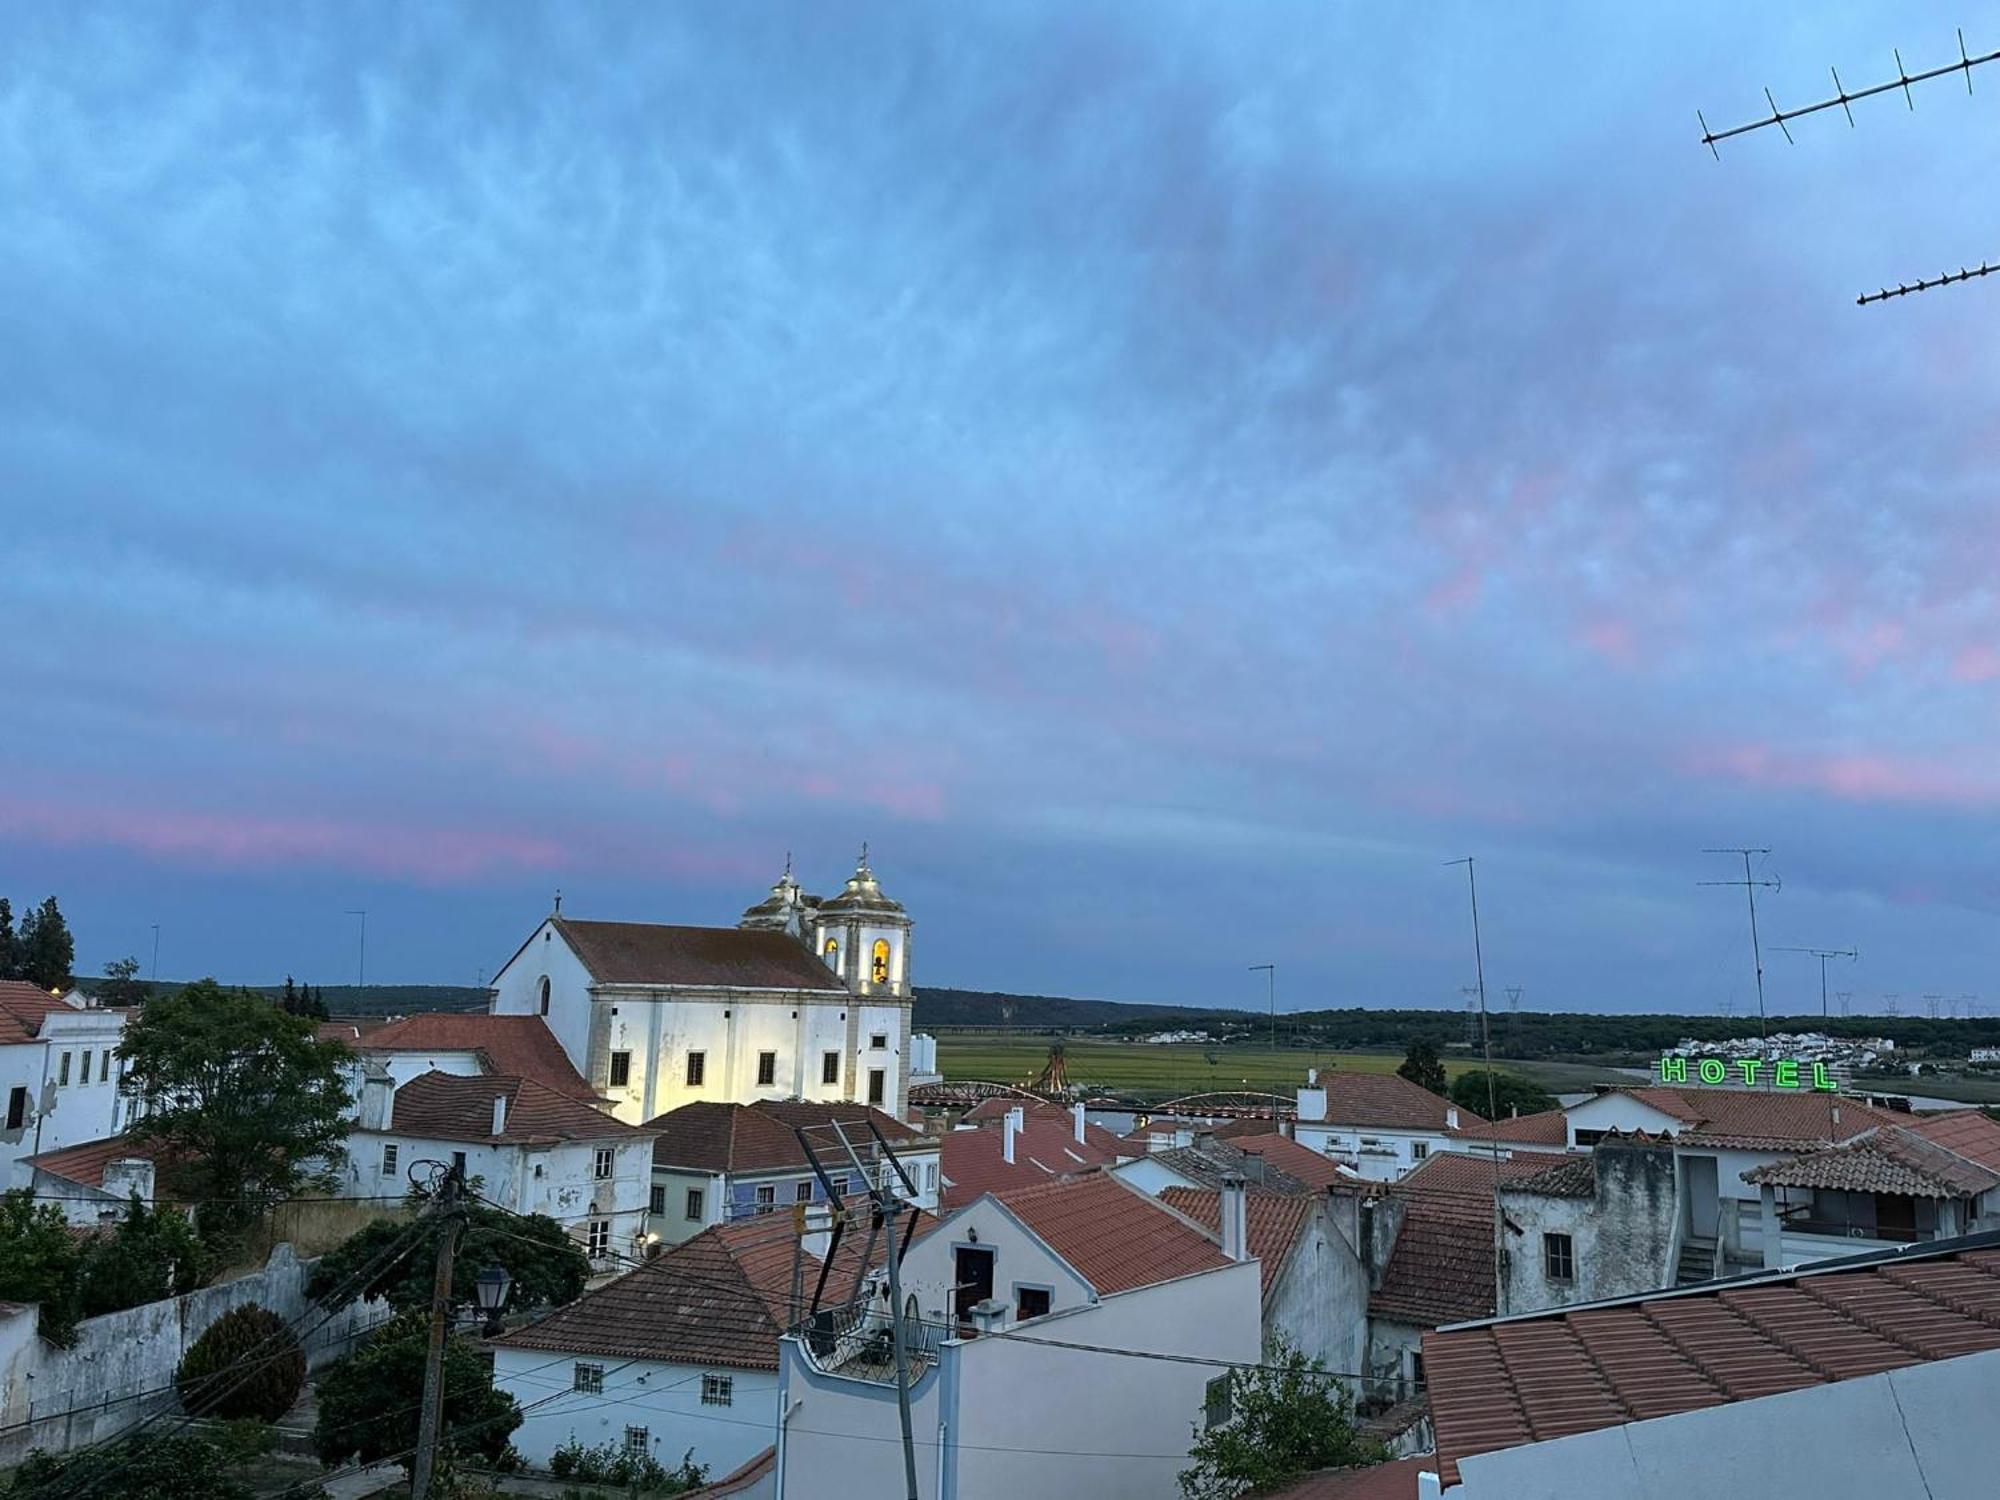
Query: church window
[(829, 1067), (621, 1069), (832, 952), (878, 965), (697, 1066), (545, 994), (879, 1041), (767, 1069), (878, 1080)]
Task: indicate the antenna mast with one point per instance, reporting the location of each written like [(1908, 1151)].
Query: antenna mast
[(1822, 954), (1750, 889)]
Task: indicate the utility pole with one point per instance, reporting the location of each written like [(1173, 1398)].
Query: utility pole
[(430, 1421), (1822, 954), (154, 975), (361, 973), (1270, 972), (1750, 889)]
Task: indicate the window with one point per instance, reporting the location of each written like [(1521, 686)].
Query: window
[(657, 1204), (62, 1073), (829, 1067), (718, 1390), (1589, 1137), (458, 1162), (767, 1197), (930, 1176), (767, 1069), (621, 1069), (802, 1192), (83, 1073), (879, 1041), (104, 1070), (545, 994), (589, 1379), (878, 962), (694, 1204), (832, 952), (1558, 1257), (17, 1108), (878, 1082), (600, 1167), (839, 1187), (1419, 1150), (1216, 1403), (636, 1441), (597, 1240), (388, 1158), (697, 1067), (1030, 1302)]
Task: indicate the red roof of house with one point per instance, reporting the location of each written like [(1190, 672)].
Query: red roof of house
[(1963, 1132), (1302, 1162), (706, 958), (1763, 1119), (1384, 1101), (1471, 1172), (452, 1107), (1883, 1161), (84, 1163), (1524, 1380), (22, 1007), (741, 1480), (518, 1046), (1441, 1266), (1396, 1480), (763, 1137), (973, 1162), (1274, 1223), (1548, 1128), (1115, 1237)]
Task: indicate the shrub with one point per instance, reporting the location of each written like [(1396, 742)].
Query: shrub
[(609, 1464), (247, 1363)]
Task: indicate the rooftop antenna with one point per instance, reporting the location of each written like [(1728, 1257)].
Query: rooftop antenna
[(1486, 1047), (154, 975), (1270, 973), (1822, 954), (1842, 98), (361, 966), (1750, 888)]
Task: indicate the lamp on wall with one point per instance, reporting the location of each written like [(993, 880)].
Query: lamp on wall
[(972, 1234), (490, 1288)]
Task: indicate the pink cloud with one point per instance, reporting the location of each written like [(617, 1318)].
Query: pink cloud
[(1612, 639), (1860, 778), (1978, 663)]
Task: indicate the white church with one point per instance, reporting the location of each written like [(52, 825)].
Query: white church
[(805, 998)]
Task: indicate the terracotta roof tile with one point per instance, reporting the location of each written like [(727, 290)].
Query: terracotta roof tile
[(973, 1162), (517, 1046), (1274, 1224), (1498, 1385), (1115, 1237), (22, 1007), (84, 1163), (1763, 1119), (1469, 1172), (452, 1107), (1440, 1268), (762, 1137), (1302, 1163), (1206, 1164), (1572, 1177), (1886, 1161), (1396, 1480), (1963, 1132), (1548, 1128), (696, 957), (1384, 1101)]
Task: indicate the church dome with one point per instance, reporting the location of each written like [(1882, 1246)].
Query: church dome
[(780, 908), (862, 896)]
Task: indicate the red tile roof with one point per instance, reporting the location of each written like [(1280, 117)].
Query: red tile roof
[(1115, 1237), (696, 957), (1548, 1128), (22, 1007), (1441, 1266), (1763, 1119), (995, 1107), (1274, 1224), (749, 1476), (1470, 1172), (1384, 1101), (1498, 1385), (84, 1163), (1883, 1161), (1570, 1177), (452, 1107), (1396, 1480), (518, 1046), (762, 1137), (1301, 1162), (1963, 1132), (972, 1161)]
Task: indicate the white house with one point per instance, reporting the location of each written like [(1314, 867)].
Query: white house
[(468, 1045), (804, 999), (520, 1144), (58, 1075), (1005, 1401), (713, 1163), (1377, 1125)]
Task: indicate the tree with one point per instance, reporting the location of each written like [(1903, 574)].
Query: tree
[(10, 959), (246, 1364), (251, 1101), (1421, 1066), (154, 1253), (44, 952), (122, 985), (548, 1266), (1512, 1094), (155, 1466), (1286, 1418), (40, 1262), (368, 1402)]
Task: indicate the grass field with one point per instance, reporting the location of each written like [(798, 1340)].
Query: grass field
[(1185, 1068)]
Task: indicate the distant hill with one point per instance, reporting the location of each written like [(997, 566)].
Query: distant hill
[(947, 1007), (351, 1000)]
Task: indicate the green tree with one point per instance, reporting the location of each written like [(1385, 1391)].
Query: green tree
[(251, 1101), (1422, 1067), (41, 1262), (122, 986), (368, 1401), (246, 1364), (1286, 1418), (10, 943), (154, 1253), (548, 1266), (155, 1466), (1512, 1094), (45, 951)]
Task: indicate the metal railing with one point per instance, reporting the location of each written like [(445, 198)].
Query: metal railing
[(859, 1343)]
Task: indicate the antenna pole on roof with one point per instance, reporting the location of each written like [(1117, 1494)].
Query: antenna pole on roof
[(1750, 888), (1486, 1049), (1822, 954)]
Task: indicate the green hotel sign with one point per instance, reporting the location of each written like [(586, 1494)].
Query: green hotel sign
[(1751, 1071)]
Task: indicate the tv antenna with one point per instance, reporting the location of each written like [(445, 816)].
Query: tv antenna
[(1751, 886), (1842, 98), (1822, 954)]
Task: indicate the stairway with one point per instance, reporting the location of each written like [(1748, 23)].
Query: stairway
[(1697, 1262)]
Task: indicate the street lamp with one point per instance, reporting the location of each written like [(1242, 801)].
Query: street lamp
[(490, 1288)]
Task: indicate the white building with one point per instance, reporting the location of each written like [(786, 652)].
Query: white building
[(1001, 1406), (468, 1045), (58, 1075), (804, 999), (521, 1145), (1377, 1125)]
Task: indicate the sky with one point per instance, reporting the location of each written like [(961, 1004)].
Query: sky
[(1168, 476)]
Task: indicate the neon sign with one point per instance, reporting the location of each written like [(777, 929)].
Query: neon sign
[(1784, 1074)]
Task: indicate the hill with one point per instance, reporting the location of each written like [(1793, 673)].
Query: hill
[(934, 1006)]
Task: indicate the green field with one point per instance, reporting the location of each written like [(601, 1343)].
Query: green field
[(1185, 1068)]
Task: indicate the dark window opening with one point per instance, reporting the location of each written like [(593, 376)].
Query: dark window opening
[(621, 1069), (767, 1069)]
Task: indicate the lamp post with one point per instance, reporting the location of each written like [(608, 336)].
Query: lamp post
[(489, 1289)]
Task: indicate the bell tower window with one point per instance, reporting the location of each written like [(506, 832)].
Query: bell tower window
[(545, 994), (878, 962), (832, 953)]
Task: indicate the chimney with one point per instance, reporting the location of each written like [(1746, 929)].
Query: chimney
[(1451, 1117), (499, 1114), (1076, 1113), (1235, 1218), (1008, 1130), (1836, 1114), (124, 1178), (1312, 1078), (989, 1316), (1365, 1234), (378, 1100)]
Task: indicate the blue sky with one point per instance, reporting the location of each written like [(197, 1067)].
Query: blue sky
[(1169, 476)]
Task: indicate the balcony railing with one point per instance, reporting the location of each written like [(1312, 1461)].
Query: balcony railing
[(859, 1344), (1837, 1229)]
